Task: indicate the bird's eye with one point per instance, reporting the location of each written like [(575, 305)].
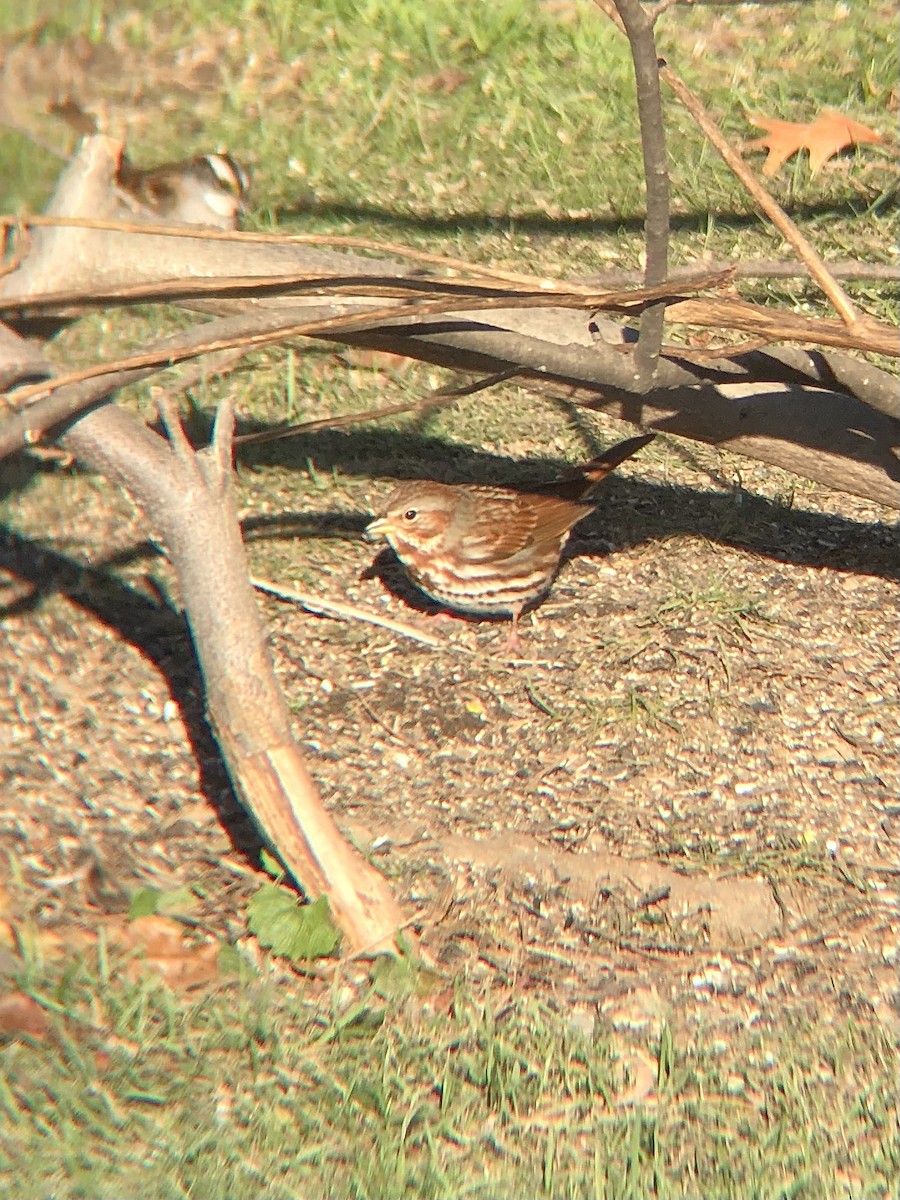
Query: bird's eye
[(410, 514)]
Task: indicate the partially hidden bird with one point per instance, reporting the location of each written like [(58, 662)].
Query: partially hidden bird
[(487, 550), (209, 190)]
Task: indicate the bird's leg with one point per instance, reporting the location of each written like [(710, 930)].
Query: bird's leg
[(513, 643)]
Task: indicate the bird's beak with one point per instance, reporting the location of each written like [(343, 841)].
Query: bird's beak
[(377, 530)]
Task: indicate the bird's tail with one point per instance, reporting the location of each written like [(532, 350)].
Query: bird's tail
[(580, 481)]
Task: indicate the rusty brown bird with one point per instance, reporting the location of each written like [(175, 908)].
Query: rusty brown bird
[(487, 550)]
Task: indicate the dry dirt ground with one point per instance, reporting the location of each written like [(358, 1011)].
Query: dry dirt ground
[(683, 797)]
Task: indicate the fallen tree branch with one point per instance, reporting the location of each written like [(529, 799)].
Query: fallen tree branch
[(799, 423), (835, 426), (189, 496), (708, 312), (545, 341), (450, 296), (51, 220), (740, 269), (813, 431)]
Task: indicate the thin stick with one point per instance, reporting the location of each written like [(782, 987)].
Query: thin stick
[(171, 419), (356, 323), (283, 239), (222, 444), (754, 268), (19, 237), (346, 612), (328, 283), (349, 419), (748, 318), (212, 365), (816, 266)]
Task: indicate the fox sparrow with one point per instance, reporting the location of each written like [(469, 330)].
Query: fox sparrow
[(490, 550)]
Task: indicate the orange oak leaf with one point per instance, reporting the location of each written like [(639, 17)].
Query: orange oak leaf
[(164, 950), (21, 1016), (823, 138)]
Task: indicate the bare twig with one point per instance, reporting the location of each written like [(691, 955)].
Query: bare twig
[(550, 352), (804, 426), (759, 268), (222, 445), (470, 270), (779, 326), (342, 325), (21, 244), (205, 368), (35, 417), (343, 611), (776, 214), (447, 293), (552, 358), (656, 173), (609, 7), (178, 440), (715, 312)]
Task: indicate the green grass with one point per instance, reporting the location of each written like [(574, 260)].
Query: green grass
[(346, 107), (264, 1090)]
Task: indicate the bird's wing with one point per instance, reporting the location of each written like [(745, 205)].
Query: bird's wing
[(498, 532)]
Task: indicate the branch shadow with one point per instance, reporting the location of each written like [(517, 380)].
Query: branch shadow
[(537, 222), (157, 629), (629, 511)]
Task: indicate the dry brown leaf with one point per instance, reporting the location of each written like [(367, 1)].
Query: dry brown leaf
[(447, 80), (826, 136), (20, 1016), (165, 951)]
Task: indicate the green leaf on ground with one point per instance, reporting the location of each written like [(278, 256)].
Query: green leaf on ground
[(150, 901), (289, 928)]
